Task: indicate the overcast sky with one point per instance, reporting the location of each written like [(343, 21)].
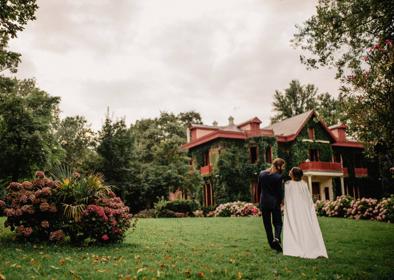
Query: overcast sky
[(140, 57)]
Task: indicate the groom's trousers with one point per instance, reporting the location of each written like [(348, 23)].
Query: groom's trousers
[(276, 220)]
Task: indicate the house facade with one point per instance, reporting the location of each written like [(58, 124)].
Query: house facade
[(332, 163)]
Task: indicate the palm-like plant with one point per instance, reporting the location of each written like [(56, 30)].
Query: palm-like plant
[(76, 191)]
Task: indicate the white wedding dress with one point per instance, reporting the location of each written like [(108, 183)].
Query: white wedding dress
[(302, 236)]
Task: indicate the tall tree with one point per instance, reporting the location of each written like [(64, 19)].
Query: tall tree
[(117, 154), (331, 109), (356, 37), (164, 166), (77, 140), (28, 118), (296, 99), (14, 15)]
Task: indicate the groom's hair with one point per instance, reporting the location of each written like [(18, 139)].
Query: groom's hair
[(279, 164), (297, 173)]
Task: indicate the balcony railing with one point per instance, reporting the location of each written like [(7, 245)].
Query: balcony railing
[(206, 170), (361, 172), (321, 166)]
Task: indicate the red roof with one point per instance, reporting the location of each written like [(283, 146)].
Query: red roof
[(285, 131), (288, 129)]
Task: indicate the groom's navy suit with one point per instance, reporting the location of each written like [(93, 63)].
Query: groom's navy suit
[(271, 197)]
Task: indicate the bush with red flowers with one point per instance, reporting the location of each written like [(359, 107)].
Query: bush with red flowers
[(81, 208), (107, 220), (30, 208)]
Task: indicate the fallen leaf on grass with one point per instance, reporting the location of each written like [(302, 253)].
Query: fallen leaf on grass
[(239, 275), (54, 267), (201, 274), (141, 270), (2, 277)]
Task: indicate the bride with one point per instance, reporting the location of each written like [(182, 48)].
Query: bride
[(301, 231)]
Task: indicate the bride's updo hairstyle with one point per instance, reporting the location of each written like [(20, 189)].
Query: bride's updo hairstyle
[(297, 173)]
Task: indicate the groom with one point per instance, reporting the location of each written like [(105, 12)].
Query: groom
[(271, 185)]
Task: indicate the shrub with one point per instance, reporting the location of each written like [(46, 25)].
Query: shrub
[(335, 208), (165, 208), (106, 221), (79, 207), (236, 209), (146, 213), (31, 209), (165, 213), (364, 208)]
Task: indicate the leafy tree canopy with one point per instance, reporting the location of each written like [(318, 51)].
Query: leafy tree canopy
[(356, 37), (77, 139), (14, 15), (28, 118), (297, 99)]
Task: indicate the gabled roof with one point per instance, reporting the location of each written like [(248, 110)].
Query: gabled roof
[(253, 120), (231, 131), (288, 129)]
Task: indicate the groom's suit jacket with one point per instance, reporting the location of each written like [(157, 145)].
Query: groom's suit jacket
[(271, 186)]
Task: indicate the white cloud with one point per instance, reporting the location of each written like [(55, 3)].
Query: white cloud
[(218, 57)]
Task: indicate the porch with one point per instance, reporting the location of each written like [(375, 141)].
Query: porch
[(319, 177)]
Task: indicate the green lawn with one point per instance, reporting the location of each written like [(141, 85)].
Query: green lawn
[(211, 248)]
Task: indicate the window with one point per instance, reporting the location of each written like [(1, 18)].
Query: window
[(314, 155), (268, 154), (206, 158), (253, 154), (311, 132)]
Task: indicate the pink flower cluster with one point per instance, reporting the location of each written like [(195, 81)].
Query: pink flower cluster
[(364, 208), (57, 235), (108, 219), (236, 209), (30, 207)]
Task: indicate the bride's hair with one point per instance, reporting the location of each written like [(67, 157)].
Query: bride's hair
[(297, 173)]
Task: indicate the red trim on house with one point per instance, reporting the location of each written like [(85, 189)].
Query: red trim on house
[(254, 120), (361, 172), (321, 166), (313, 113), (259, 133), (349, 144), (206, 170), (345, 171), (215, 135)]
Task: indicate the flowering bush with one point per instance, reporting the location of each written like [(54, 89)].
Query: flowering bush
[(335, 208), (30, 208), (364, 208), (79, 207), (107, 220), (236, 209)]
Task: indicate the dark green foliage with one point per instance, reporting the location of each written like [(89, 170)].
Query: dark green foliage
[(117, 157), (14, 16), (298, 99), (294, 100), (234, 171), (77, 140), (167, 209), (28, 118), (356, 37), (340, 32), (163, 166)]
